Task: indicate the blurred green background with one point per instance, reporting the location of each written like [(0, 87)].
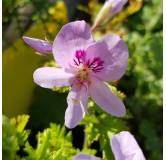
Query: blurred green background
[(140, 25)]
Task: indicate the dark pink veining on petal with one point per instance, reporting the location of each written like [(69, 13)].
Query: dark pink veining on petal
[(79, 57), (96, 65)]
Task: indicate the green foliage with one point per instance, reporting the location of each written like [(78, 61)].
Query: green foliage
[(61, 90), (144, 77), (20, 123), (116, 92), (147, 54), (52, 144), (14, 136), (10, 7)]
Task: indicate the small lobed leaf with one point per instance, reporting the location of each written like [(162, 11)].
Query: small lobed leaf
[(20, 122)]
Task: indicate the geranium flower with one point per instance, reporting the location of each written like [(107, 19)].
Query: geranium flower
[(85, 64), (124, 147), (41, 46)]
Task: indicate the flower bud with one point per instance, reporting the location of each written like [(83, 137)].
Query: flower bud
[(110, 8)]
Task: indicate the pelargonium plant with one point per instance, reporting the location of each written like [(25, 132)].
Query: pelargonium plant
[(85, 65)]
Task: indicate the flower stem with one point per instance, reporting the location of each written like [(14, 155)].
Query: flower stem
[(85, 145)]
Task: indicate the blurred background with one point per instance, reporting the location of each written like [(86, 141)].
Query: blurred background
[(140, 24)]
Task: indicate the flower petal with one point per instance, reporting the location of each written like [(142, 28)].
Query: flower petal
[(39, 45), (124, 146), (114, 52), (103, 97), (50, 77), (73, 36), (83, 156), (77, 104)]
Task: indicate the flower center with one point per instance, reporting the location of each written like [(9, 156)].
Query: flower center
[(85, 67), (82, 78), (83, 73), (95, 65)]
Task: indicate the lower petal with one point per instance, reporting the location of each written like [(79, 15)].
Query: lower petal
[(103, 97), (50, 77), (77, 105)]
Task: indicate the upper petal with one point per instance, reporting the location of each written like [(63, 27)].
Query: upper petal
[(102, 95), (83, 156), (50, 77), (73, 36), (124, 146), (114, 52), (77, 104), (39, 45)]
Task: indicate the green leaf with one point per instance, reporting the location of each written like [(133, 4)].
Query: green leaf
[(20, 122)]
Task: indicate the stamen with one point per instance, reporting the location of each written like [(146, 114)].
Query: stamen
[(79, 84), (75, 100), (75, 62)]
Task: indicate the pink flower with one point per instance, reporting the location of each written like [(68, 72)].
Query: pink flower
[(85, 64), (125, 147), (41, 46)]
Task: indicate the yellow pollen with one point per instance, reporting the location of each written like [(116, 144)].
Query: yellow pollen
[(83, 73), (75, 100)]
